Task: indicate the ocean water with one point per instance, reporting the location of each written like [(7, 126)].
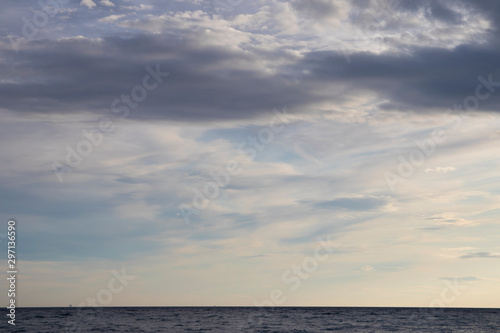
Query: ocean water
[(248, 319)]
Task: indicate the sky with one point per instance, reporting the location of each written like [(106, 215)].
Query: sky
[(228, 152)]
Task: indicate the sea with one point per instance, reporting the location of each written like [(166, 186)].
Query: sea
[(253, 319)]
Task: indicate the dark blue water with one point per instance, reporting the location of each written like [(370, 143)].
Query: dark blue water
[(241, 319)]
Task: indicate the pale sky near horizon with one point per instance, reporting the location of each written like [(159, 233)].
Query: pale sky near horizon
[(301, 152)]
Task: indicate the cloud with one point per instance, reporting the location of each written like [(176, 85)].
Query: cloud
[(469, 279), (462, 279), (322, 174), (354, 203), (205, 82), (450, 219), (107, 3), (315, 9), (111, 18), (441, 169), (475, 255), (139, 7), (222, 70), (89, 3), (367, 268), (423, 80), (489, 8)]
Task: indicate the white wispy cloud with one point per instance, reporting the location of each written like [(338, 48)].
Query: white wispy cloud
[(88, 3), (107, 3), (111, 18), (367, 268), (441, 169)]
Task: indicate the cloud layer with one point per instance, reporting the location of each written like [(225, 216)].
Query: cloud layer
[(117, 113)]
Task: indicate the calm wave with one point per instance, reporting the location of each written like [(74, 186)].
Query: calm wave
[(258, 320)]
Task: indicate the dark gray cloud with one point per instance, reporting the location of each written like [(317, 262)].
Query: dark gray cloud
[(441, 10), (446, 11), (315, 9), (480, 255), (354, 204), (74, 75), (462, 279), (79, 74), (489, 8), (426, 78), (205, 82)]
